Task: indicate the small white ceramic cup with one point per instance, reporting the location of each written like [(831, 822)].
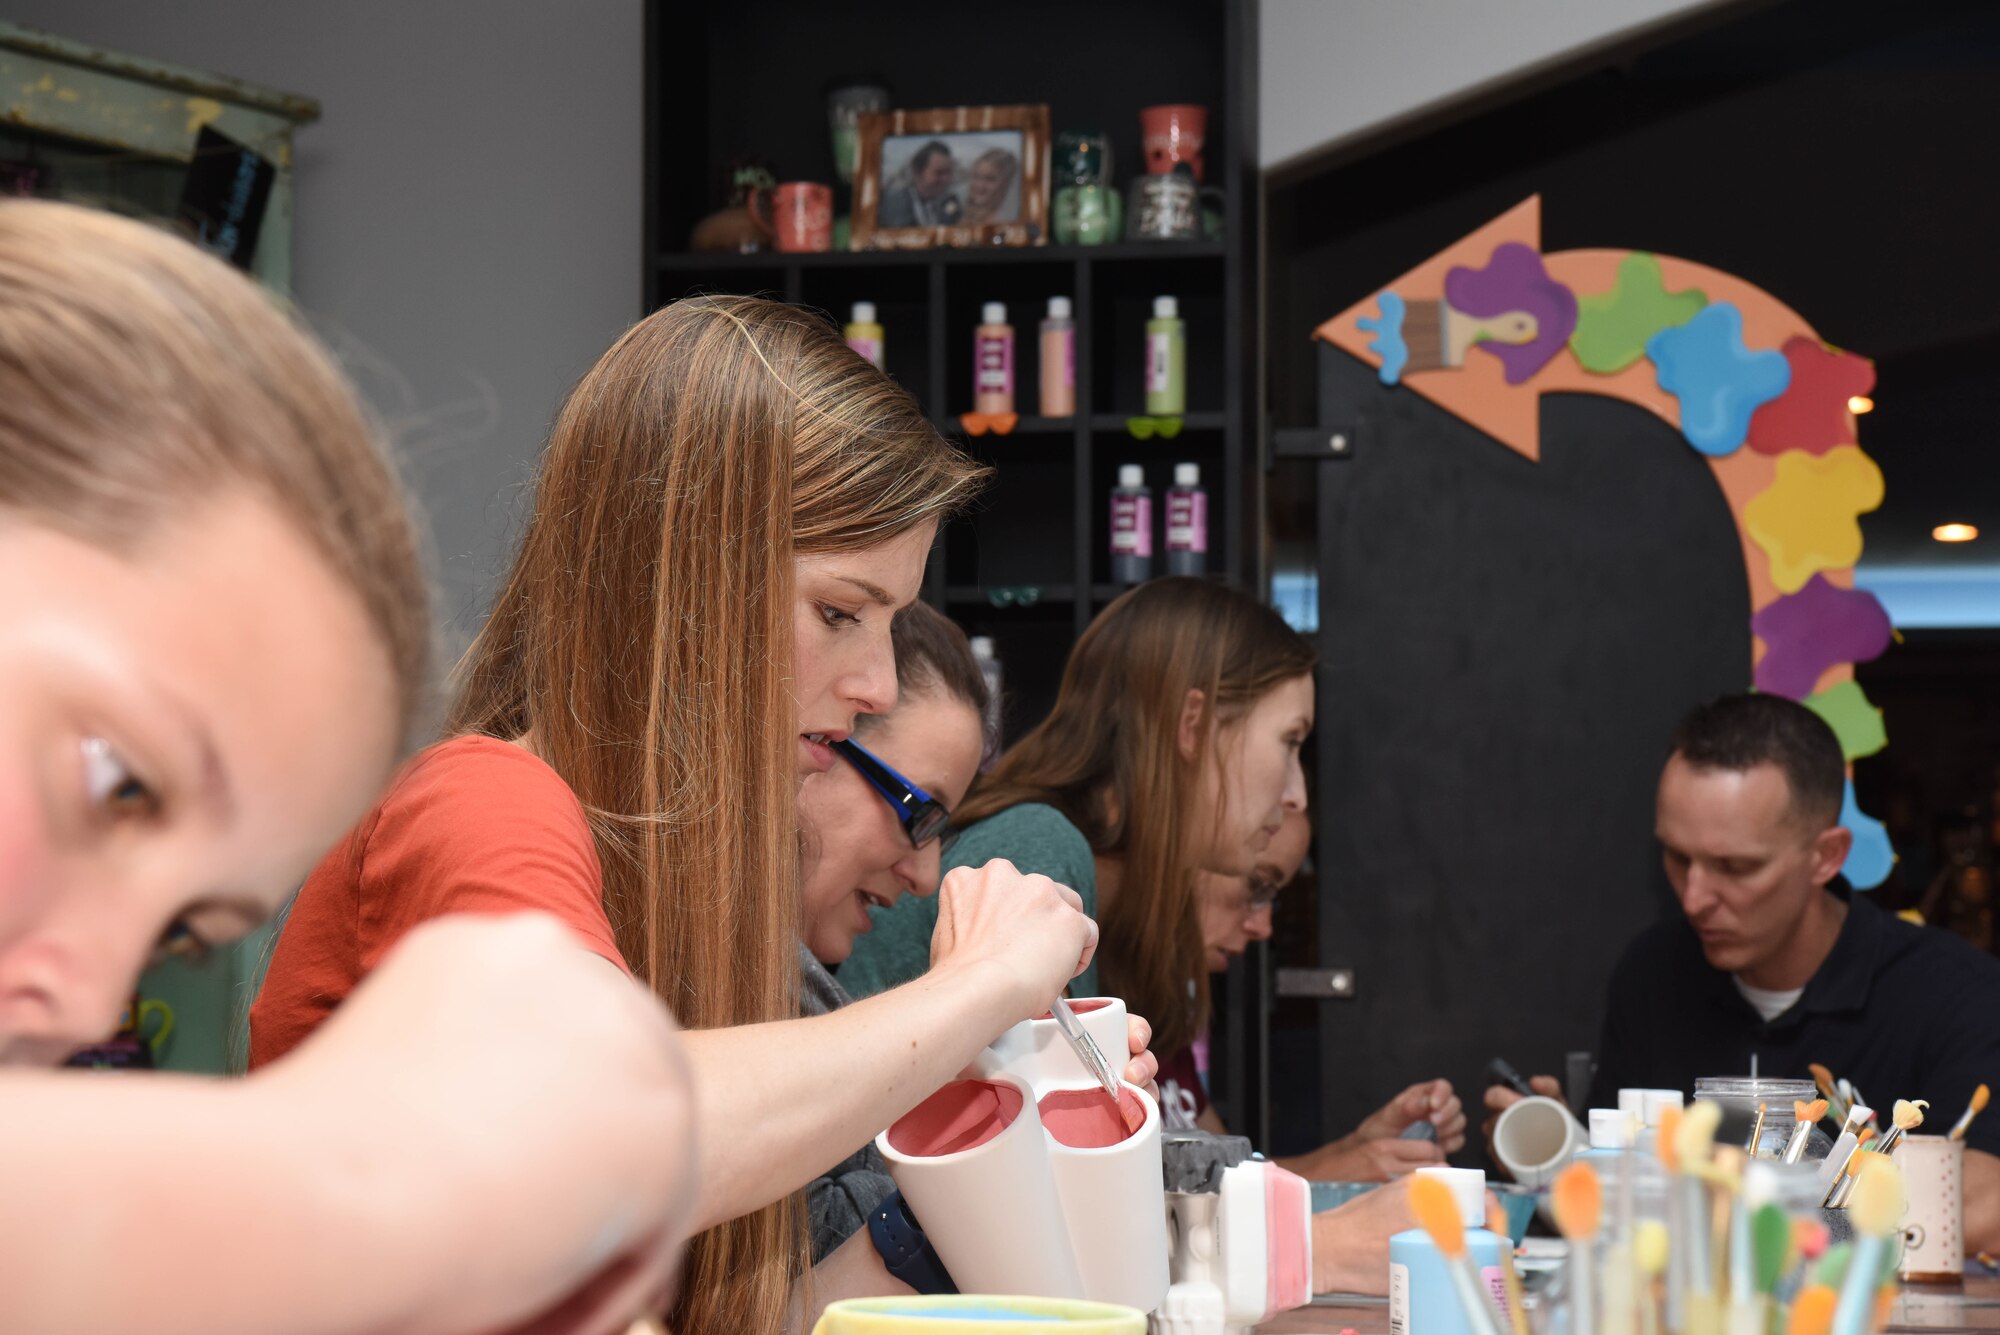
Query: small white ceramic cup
[(1113, 1203), (1934, 1226), (1036, 1050), (992, 1212), (1536, 1138)]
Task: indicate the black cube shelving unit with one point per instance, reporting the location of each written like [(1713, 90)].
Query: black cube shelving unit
[(1031, 566)]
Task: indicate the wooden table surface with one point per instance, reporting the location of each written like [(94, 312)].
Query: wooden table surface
[(1922, 1308)]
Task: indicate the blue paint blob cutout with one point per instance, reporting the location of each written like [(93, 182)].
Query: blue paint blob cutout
[(1388, 341), (1719, 382), (1868, 862)]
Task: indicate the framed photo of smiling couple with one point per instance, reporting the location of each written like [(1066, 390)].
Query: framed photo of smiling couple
[(953, 176)]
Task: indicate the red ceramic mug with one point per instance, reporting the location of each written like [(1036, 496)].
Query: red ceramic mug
[(802, 216), (1173, 134)]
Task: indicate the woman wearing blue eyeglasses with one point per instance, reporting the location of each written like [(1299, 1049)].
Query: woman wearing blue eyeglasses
[(872, 826)]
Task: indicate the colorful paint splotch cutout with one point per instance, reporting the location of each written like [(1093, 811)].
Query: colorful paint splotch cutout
[(1812, 414), (1871, 857), (1720, 383), (1807, 632), (1515, 283), (1854, 721), (1613, 328), (1807, 520), (1387, 343)]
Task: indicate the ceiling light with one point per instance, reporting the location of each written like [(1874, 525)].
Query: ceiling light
[(1954, 533), (1860, 404)]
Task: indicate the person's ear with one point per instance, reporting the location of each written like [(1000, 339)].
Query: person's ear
[(1829, 854), (1192, 711)]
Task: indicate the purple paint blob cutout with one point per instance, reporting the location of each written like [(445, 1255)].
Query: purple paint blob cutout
[(1514, 280), (1807, 632)]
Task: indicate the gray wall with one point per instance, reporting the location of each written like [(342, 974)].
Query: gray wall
[(468, 213), (1334, 70)]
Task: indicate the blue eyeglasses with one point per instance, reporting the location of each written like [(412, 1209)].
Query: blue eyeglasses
[(923, 816)]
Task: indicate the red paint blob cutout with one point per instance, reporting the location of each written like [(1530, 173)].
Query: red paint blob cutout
[(962, 1116), (1084, 1119), (1811, 414)]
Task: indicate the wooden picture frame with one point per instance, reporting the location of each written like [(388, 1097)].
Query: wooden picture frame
[(909, 195)]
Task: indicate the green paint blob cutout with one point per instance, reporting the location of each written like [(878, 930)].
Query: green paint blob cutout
[(1612, 327), (1854, 721)]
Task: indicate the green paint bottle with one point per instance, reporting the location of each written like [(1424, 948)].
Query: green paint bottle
[(1166, 360)]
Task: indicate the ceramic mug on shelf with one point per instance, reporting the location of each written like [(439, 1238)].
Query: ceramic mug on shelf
[(1174, 134), (1167, 208), (802, 216), (1086, 215)]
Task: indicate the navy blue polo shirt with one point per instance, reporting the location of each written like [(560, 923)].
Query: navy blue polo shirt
[(1905, 1012)]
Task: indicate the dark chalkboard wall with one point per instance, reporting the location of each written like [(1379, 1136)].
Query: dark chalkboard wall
[(1507, 644)]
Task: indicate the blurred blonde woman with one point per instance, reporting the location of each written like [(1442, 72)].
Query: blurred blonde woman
[(214, 638), (987, 186)]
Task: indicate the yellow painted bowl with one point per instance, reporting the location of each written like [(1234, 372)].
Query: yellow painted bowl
[(973, 1314)]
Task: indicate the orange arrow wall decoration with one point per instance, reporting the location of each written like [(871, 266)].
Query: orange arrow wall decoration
[(1488, 326)]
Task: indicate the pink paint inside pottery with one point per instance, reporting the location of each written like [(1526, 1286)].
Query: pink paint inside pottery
[(962, 1116), (1083, 1007), (1085, 1119)]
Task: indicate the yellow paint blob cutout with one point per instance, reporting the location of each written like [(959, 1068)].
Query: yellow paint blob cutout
[(1807, 519)]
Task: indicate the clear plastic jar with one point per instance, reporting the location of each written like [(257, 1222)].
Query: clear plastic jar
[(1739, 1096)]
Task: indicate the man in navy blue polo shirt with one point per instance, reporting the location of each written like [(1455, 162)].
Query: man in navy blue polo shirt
[(1773, 958)]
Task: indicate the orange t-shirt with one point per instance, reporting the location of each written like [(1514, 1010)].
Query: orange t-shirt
[(471, 825)]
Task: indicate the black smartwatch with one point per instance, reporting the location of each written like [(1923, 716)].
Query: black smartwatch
[(906, 1252)]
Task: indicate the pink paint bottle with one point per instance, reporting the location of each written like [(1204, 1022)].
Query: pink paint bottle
[(1131, 527), (993, 362), (1187, 523), (1059, 360)]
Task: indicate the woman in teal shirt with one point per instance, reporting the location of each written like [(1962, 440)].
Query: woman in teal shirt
[(1173, 748)]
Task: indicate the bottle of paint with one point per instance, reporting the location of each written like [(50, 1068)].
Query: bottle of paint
[(864, 333), (1187, 523), (1639, 1114), (1166, 360), (1610, 1156), (1131, 527), (1652, 1102), (1422, 1300), (989, 671), (993, 361), (1058, 360)]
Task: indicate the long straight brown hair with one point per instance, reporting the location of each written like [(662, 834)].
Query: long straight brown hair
[(645, 637), (1108, 757)]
